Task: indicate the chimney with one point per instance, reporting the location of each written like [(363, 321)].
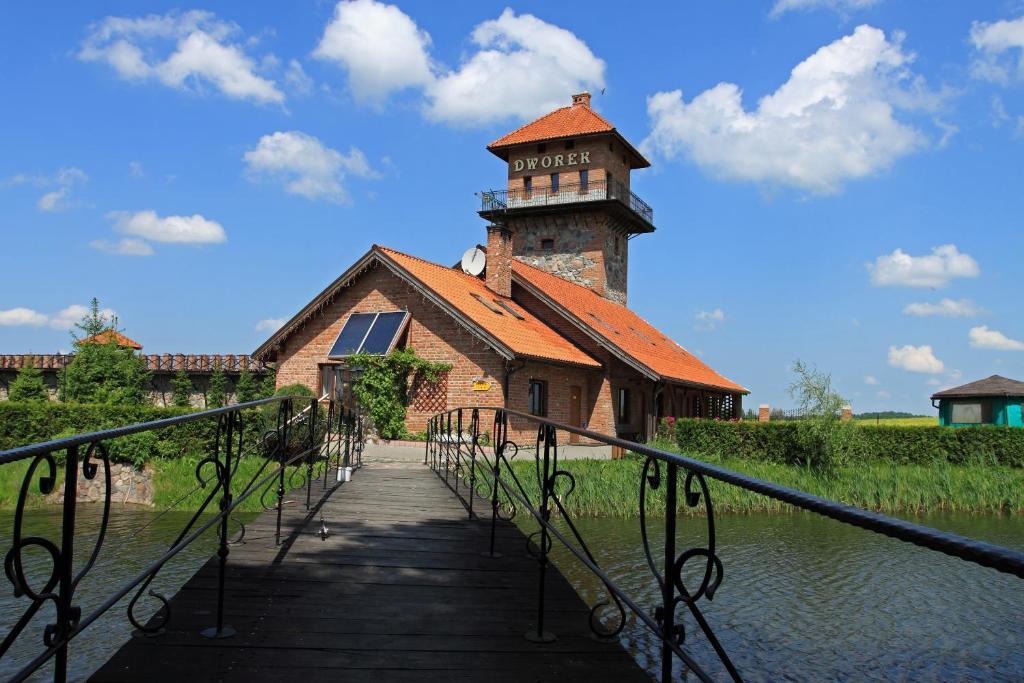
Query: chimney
[(764, 413), (847, 413), (581, 100), (499, 260)]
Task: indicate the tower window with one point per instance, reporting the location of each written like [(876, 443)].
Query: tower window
[(541, 148), (527, 186), (547, 244), (554, 182), (584, 180), (570, 144), (538, 398)]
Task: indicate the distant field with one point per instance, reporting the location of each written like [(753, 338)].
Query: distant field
[(899, 422)]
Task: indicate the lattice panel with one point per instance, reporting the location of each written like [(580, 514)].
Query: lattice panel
[(430, 397)]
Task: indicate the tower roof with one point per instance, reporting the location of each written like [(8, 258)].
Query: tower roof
[(112, 336), (573, 121)]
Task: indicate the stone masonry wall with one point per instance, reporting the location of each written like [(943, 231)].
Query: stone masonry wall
[(127, 485)]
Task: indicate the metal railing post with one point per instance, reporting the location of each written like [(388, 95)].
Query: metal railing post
[(474, 435), (668, 585), (65, 595), (313, 404), (546, 484), (458, 450), (498, 447), (284, 417), (224, 474)]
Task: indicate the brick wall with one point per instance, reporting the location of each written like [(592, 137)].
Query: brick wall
[(605, 153)]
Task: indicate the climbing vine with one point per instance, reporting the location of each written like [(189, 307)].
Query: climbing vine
[(382, 387)]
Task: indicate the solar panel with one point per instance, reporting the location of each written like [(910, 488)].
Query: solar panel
[(374, 333), (382, 335)]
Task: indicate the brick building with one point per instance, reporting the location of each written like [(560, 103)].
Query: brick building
[(544, 328)]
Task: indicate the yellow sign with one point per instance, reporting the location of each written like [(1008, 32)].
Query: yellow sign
[(481, 385)]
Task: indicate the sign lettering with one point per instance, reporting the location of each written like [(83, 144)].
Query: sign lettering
[(549, 161)]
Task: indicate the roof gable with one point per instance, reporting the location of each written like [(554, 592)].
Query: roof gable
[(632, 336), (996, 385)]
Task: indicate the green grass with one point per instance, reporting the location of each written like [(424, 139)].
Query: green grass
[(610, 488), (899, 422)]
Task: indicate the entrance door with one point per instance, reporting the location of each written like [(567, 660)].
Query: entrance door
[(575, 403)]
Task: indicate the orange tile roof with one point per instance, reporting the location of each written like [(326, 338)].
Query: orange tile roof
[(106, 336), (624, 329), (578, 119), (528, 337)]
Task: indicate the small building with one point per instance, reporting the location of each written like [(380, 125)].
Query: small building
[(536, 320), (994, 400)]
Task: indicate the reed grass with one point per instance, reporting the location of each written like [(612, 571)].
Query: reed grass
[(610, 488)]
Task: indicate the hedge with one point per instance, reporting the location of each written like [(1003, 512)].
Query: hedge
[(787, 442), (31, 422)]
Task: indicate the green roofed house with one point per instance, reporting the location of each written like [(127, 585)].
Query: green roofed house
[(995, 400)]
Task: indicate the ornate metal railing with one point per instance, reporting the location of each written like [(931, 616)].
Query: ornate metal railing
[(565, 193), (296, 449), (477, 466)]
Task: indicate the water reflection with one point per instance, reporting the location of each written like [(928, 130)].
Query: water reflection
[(135, 538), (808, 598)]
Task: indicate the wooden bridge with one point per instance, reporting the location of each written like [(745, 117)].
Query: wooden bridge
[(399, 590)]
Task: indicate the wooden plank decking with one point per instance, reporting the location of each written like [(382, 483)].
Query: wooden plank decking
[(397, 592)]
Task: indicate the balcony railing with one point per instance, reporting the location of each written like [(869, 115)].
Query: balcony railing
[(566, 193)]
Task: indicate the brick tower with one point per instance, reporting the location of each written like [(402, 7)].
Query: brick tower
[(568, 208)]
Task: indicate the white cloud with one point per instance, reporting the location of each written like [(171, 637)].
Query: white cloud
[(915, 359), (270, 324), (297, 78), (193, 229), (125, 247), (305, 165), (900, 269), (66, 318), (950, 308), (136, 169), (841, 7), (832, 121), (709, 320), (521, 67), (17, 317), (1000, 47), (869, 379), (524, 67), (982, 337), (181, 50), (381, 48), (934, 382), (63, 180)]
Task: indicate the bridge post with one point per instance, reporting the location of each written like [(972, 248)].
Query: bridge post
[(313, 405), (474, 435), (498, 447), (547, 482), (458, 450), (224, 475), (668, 585), (284, 416), (66, 590)]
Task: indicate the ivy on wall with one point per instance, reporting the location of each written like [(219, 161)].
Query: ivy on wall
[(382, 386)]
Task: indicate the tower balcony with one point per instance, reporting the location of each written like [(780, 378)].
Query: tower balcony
[(610, 194)]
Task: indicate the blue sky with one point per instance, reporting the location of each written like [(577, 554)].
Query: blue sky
[(837, 181)]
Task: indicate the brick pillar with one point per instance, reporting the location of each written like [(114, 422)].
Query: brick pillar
[(846, 414), (499, 260), (763, 412)]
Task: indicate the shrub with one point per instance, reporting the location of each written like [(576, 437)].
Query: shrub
[(181, 390), (796, 443), (217, 389), (382, 387), (28, 385)]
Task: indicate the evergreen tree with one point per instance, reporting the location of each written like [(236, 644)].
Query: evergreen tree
[(103, 372), (181, 390), (246, 389), (269, 385), (29, 384), (217, 390)]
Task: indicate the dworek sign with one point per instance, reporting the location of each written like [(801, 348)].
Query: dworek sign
[(551, 161)]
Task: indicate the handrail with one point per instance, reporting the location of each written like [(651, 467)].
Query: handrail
[(338, 438), (448, 447), (566, 193)]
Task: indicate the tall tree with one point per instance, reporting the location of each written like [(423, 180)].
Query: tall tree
[(217, 389), (29, 384), (181, 390), (246, 389), (102, 371)]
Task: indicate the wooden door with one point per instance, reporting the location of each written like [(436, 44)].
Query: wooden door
[(575, 405)]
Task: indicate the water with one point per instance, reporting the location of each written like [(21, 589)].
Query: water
[(135, 538), (807, 598)]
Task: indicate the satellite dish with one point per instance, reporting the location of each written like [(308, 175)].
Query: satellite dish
[(473, 261)]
